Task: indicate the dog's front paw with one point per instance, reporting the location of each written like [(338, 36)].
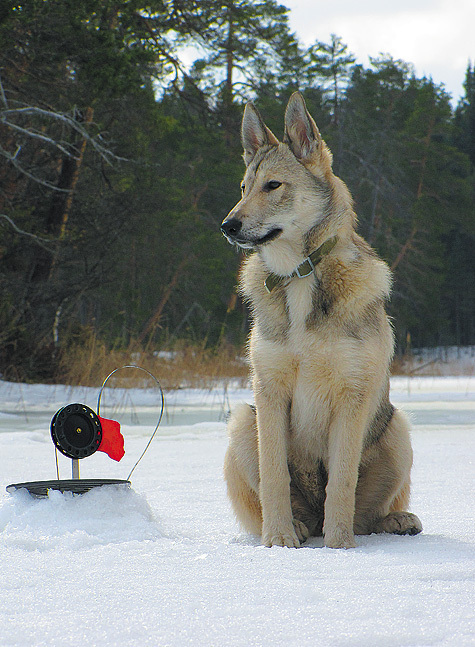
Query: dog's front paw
[(339, 537), (280, 537)]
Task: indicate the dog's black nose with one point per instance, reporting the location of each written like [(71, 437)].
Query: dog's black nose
[(231, 227)]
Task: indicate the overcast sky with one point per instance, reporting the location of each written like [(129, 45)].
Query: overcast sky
[(437, 36)]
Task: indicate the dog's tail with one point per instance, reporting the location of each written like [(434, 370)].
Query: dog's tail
[(240, 469)]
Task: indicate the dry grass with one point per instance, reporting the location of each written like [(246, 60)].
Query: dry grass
[(89, 363)]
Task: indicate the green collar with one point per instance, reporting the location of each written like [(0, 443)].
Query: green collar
[(305, 268)]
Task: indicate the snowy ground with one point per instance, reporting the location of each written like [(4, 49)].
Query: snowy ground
[(164, 564)]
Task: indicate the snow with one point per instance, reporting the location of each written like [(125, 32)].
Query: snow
[(164, 564)]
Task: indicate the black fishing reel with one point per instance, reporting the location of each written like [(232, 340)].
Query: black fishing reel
[(76, 431)]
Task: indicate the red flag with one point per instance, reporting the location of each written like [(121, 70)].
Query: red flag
[(112, 440)]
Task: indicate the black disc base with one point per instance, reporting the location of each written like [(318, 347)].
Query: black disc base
[(76, 486)]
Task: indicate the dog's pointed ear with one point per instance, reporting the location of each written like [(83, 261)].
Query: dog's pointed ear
[(254, 133), (301, 132)]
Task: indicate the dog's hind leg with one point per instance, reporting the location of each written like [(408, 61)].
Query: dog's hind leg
[(383, 490), (398, 521), (241, 469)]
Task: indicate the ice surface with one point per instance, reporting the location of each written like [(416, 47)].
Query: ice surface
[(164, 564)]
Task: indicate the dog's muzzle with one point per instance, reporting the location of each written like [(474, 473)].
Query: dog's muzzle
[(231, 229)]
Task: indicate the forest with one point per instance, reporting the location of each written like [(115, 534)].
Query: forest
[(120, 155)]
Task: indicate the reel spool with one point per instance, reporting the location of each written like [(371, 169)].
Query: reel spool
[(76, 431)]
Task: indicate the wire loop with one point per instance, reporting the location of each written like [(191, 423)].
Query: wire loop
[(161, 410)]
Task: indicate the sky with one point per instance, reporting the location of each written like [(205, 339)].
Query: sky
[(436, 36)]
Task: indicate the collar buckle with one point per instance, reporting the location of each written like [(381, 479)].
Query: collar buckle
[(305, 268)]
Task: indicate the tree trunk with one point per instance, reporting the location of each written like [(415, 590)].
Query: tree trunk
[(228, 88), (155, 318), (420, 188), (68, 179), (58, 216)]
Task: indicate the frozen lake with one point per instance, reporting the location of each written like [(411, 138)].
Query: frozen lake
[(165, 564)]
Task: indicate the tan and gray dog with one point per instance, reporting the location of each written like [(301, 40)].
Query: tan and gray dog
[(323, 451)]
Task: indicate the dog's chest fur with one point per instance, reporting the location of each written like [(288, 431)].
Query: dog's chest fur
[(308, 346), (314, 347), (291, 347), (299, 296)]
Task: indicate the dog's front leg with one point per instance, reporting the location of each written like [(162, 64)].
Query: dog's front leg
[(345, 446), (274, 492)]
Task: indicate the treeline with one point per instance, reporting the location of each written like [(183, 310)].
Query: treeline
[(118, 163)]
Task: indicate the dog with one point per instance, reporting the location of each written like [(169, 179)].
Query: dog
[(322, 451)]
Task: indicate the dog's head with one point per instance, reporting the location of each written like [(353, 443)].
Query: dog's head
[(286, 184)]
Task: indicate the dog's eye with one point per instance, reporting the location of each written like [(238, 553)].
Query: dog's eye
[(273, 184), (243, 187)]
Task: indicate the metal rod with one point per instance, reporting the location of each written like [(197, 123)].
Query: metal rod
[(75, 463)]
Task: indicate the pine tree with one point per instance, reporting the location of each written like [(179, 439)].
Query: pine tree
[(410, 187), (241, 40), (334, 63), (465, 116)]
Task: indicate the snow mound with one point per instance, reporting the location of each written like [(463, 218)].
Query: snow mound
[(102, 516)]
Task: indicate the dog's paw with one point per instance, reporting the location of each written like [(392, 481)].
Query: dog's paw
[(339, 537), (277, 537), (301, 530), (400, 523)]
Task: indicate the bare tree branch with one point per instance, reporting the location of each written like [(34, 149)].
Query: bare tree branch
[(2, 94), (7, 119), (71, 121), (36, 135), (38, 240), (13, 158)]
